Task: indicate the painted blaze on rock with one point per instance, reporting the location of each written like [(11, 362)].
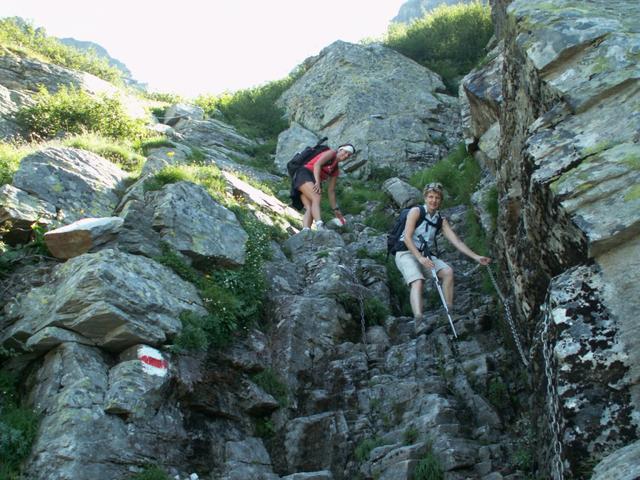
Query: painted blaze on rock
[(153, 363)]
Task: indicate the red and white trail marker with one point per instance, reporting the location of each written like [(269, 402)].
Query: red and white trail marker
[(153, 363)]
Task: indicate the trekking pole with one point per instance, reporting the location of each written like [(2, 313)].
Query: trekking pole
[(424, 249), (444, 302)]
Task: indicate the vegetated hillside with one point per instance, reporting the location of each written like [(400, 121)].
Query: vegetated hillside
[(101, 52)]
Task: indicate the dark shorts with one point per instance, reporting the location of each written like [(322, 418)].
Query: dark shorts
[(303, 175)]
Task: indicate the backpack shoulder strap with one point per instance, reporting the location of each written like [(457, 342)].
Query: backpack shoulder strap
[(423, 214)]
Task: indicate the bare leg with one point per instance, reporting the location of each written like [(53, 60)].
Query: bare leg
[(306, 189), (306, 218), (415, 298), (446, 277)]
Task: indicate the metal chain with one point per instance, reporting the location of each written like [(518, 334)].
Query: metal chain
[(507, 312), (553, 406)]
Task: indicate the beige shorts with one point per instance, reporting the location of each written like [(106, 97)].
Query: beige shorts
[(412, 270)]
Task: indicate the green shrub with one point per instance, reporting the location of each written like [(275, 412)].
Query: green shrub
[(23, 37), (374, 310), (18, 428), (272, 383), (233, 297), (147, 144), (151, 473), (428, 468), (498, 394), (73, 111), (449, 40), (32, 251), (459, 173), (120, 152), (410, 435), (364, 448), (252, 111), (264, 427), (10, 156), (169, 174), (352, 195)]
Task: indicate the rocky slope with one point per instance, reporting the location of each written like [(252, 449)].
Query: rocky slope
[(552, 116)]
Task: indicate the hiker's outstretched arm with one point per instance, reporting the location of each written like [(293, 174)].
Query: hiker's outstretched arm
[(448, 232), (331, 192), (410, 227)]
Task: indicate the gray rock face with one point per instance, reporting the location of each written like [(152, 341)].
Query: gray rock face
[(182, 111), (291, 141), (78, 183), (10, 102), (188, 219), (69, 392), (385, 104), (316, 442), (624, 464), (567, 179), (114, 299), (591, 364), (18, 211), (403, 194), (27, 74), (184, 216), (482, 91)]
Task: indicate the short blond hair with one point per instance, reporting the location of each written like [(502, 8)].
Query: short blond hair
[(434, 187)]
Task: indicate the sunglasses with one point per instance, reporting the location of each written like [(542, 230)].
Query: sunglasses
[(434, 186)]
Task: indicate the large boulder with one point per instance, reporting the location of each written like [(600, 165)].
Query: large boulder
[(10, 102), (114, 299), (77, 183), (190, 221), (69, 392), (393, 110), (185, 217)]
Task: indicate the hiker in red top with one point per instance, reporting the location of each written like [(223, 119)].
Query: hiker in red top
[(308, 182)]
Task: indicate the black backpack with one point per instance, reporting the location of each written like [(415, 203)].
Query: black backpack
[(394, 244), (301, 158)]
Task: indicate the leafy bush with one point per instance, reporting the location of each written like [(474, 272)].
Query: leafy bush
[(33, 250), (271, 383), (74, 111), (10, 156), (233, 297), (428, 468), (151, 473), (374, 310), (120, 152), (410, 435), (364, 448), (18, 428), (449, 40), (253, 111), (169, 174), (264, 427), (459, 173), (22, 36)]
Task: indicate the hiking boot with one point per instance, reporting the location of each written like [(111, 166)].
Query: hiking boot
[(319, 225)]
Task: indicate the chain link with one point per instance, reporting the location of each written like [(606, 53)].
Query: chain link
[(512, 324), (553, 406)]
